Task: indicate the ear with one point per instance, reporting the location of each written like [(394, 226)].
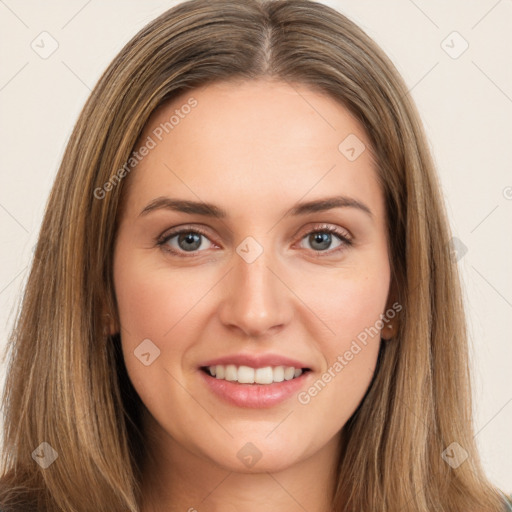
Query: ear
[(391, 315)]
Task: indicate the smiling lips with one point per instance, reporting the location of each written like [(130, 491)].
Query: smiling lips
[(254, 381)]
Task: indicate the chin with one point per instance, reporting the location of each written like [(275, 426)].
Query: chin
[(255, 454)]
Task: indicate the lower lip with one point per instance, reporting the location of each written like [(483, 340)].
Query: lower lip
[(255, 395)]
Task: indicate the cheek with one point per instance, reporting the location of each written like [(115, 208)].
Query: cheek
[(357, 308), (145, 306), (162, 306), (349, 303), (152, 301)]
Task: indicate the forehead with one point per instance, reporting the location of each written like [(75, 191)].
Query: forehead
[(257, 138)]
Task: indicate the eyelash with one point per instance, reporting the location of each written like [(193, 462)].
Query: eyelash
[(324, 228)]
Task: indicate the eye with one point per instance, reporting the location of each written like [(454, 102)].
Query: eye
[(321, 238), (187, 240)]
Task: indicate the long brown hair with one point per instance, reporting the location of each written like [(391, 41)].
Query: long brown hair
[(67, 385)]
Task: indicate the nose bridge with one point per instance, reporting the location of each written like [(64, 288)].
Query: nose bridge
[(256, 301)]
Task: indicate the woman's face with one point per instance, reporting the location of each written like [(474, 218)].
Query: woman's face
[(256, 284)]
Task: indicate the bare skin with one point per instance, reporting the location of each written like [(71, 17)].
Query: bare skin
[(255, 150)]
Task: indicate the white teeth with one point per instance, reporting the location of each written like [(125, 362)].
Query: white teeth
[(248, 375), (278, 374), (264, 375), (245, 375), (289, 373), (220, 371), (231, 373)]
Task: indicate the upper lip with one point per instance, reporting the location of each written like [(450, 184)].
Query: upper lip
[(255, 361)]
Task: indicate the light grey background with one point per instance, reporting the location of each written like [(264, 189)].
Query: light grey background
[(465, 103)]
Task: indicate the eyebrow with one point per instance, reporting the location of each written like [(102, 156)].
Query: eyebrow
[(211, 210)]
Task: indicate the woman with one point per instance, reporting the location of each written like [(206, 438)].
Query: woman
[(252, 369)]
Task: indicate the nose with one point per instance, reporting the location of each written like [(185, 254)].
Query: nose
[(256, 301)]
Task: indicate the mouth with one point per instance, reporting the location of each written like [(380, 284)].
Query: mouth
[(248, 375), (257, 388)]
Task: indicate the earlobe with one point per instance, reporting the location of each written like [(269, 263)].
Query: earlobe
[(391, 315), (390, 329)]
